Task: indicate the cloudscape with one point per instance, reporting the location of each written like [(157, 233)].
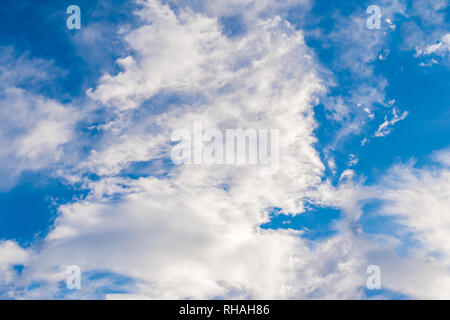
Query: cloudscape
[(227, 149)]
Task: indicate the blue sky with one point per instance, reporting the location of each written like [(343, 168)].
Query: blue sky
[(87, 178)]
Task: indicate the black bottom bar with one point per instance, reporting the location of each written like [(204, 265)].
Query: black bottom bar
[(222, 309)]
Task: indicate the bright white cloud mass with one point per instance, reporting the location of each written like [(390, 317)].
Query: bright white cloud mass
[(194, 231), (33, 128)]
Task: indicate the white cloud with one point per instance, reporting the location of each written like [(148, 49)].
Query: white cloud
[(442, 47), (357, 49), (386, 127), (185, 235), (195, 232), (251, 10), (33, 128), (427, 33), (442, 157), (10, 255), (419, 198), (180, 240)]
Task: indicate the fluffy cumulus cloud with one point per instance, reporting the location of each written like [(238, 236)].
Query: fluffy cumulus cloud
[(194, 231), (11, 255), (33, 128), (410, 244), (209, 247), (419, 199)]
